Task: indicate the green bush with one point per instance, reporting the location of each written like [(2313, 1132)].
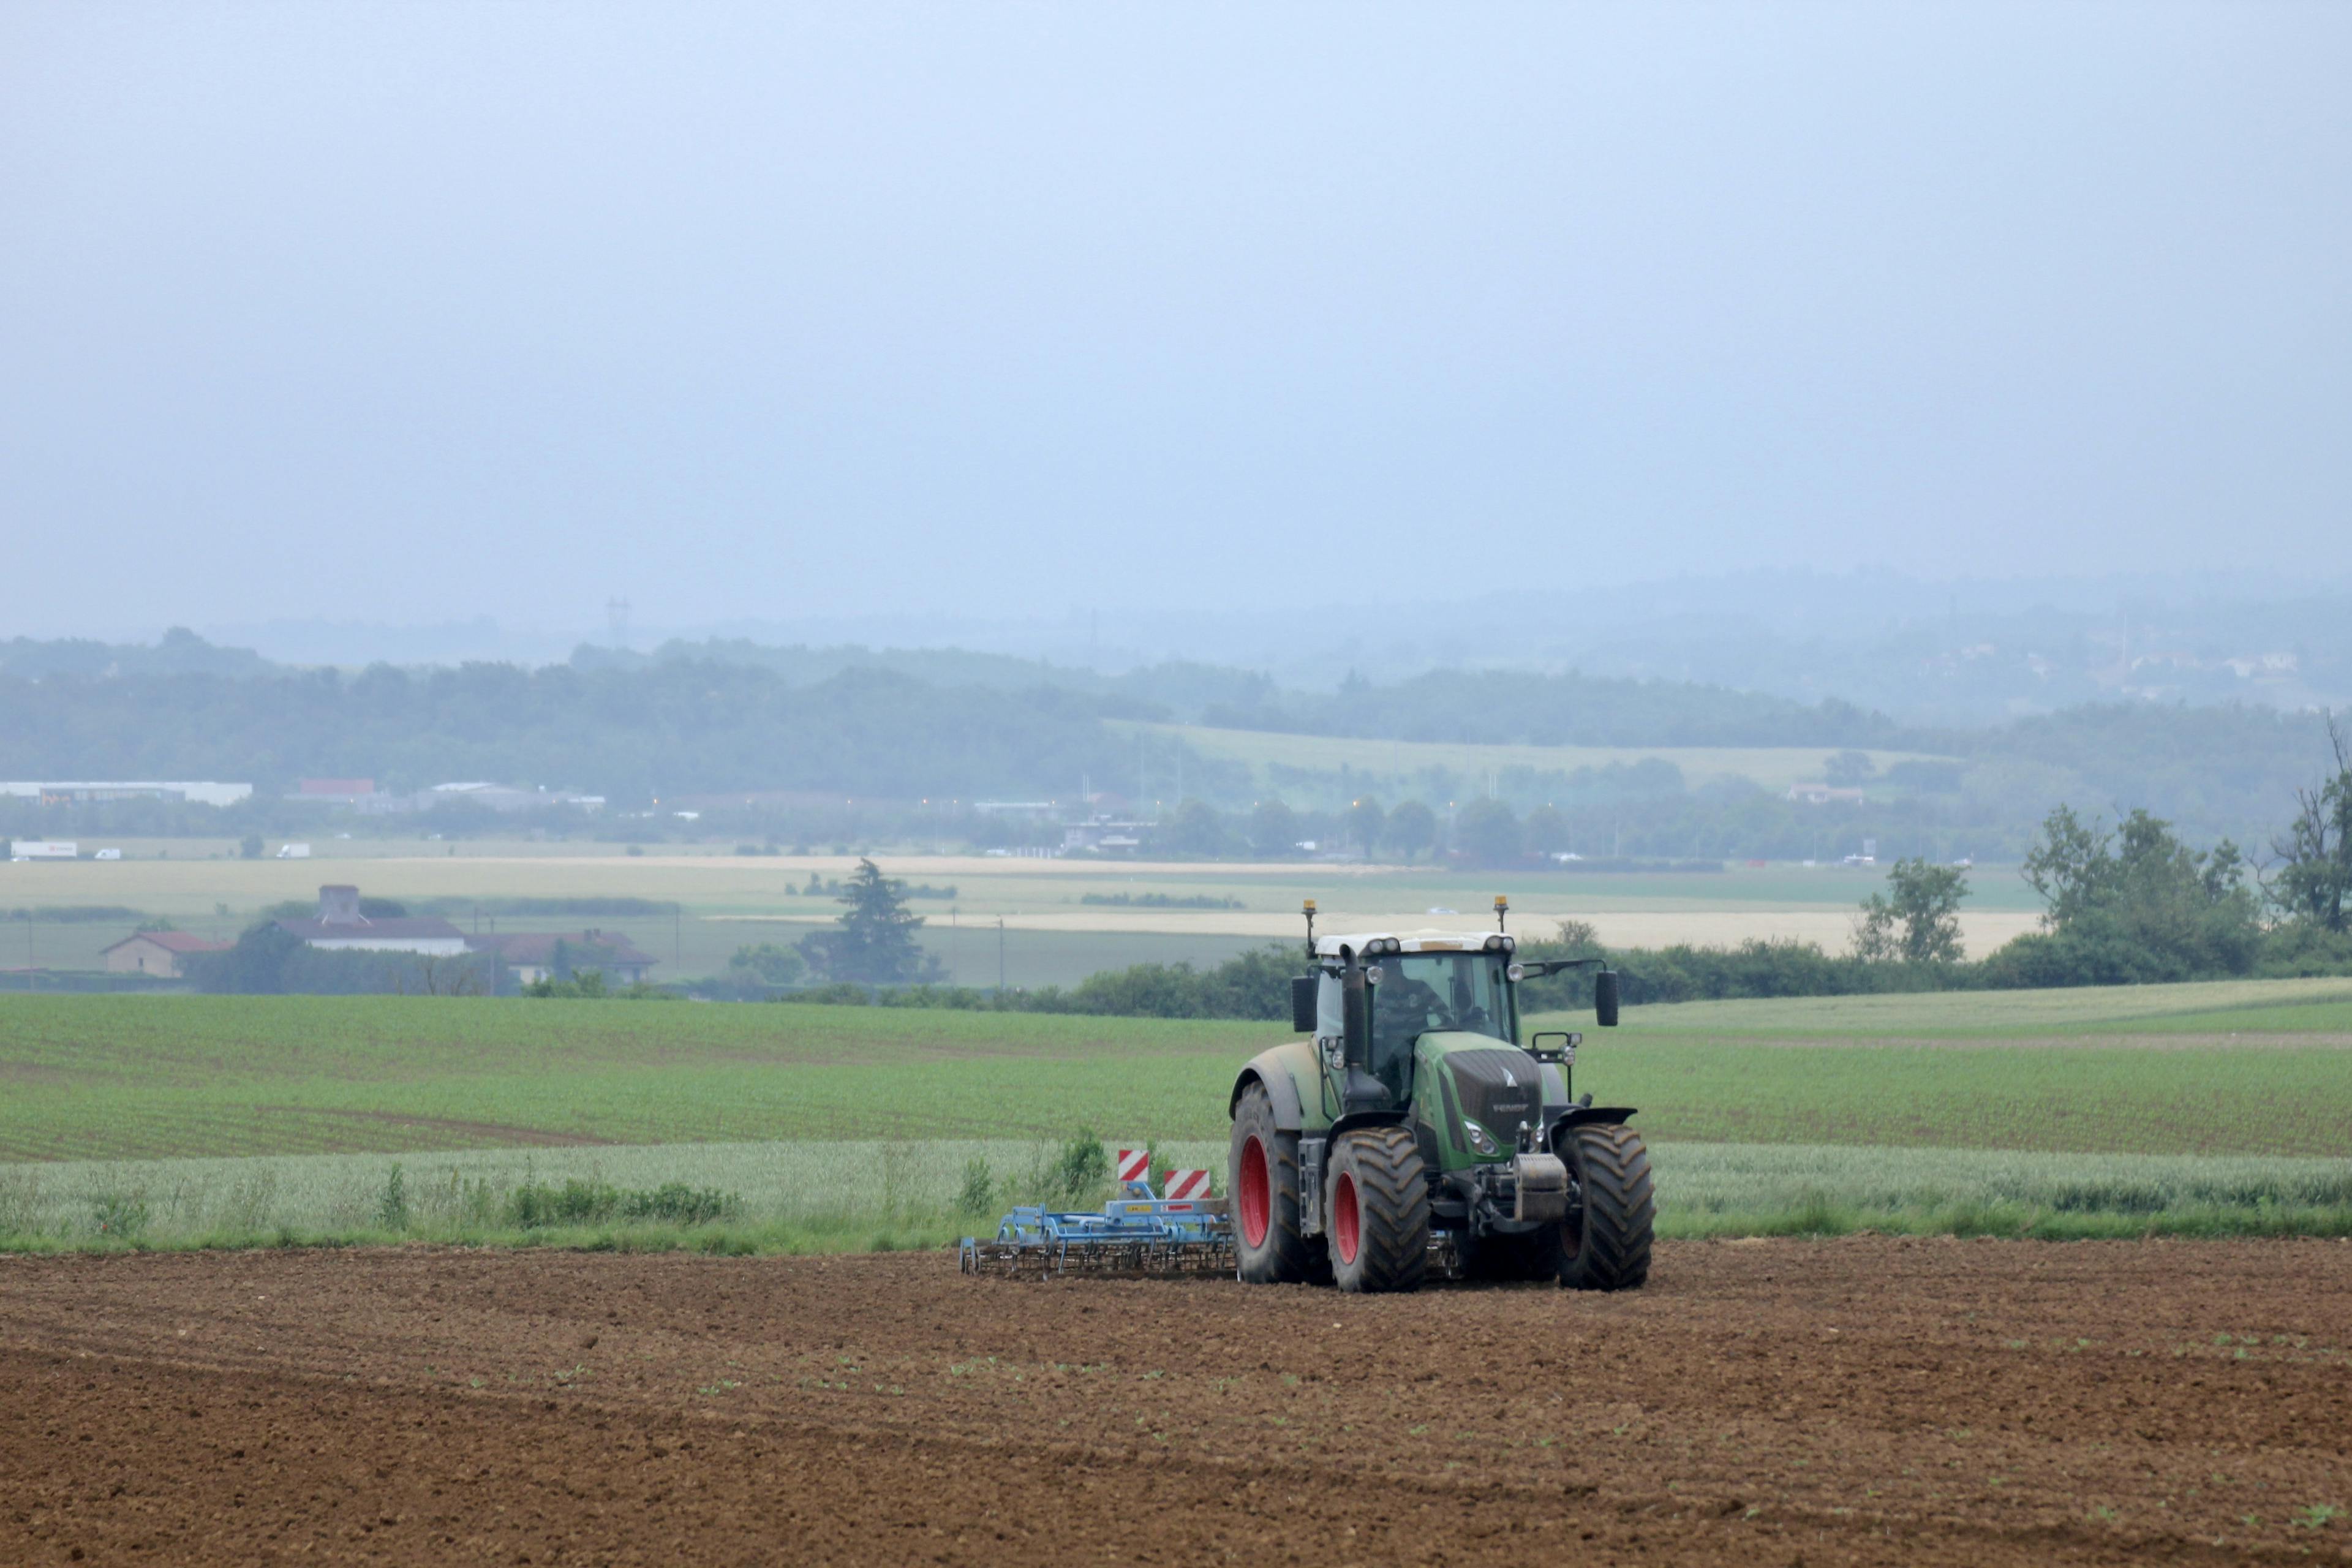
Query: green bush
[(538, 1206), (120, 1216), (392, 1208), (1081, 1173), (534, 1205), (978, 1187), (675, 1203)]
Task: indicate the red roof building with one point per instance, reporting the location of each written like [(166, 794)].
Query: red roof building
[(158, 953)]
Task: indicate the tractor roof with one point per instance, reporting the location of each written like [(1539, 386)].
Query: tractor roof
[(1410, 942)]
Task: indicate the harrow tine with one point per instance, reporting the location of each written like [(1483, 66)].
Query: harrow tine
[(1130, 1238)]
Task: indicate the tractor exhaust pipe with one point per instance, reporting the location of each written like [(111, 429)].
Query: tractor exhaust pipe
[(1359, 1090)]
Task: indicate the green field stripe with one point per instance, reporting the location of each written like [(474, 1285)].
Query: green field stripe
[(138, 1077)]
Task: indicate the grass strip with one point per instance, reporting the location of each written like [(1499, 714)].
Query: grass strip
[(833, 1198)]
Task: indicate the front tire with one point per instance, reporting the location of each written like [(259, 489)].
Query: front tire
[(1604, 1242), (1379, 1230), (1262, 1177)]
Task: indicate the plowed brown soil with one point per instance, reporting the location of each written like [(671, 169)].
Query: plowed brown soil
[(1866, 1400)]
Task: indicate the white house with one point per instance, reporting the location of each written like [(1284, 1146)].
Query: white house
[(341, 928)]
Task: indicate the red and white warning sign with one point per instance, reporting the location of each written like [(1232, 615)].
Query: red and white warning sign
[(1185, 1184), (1134, 1164)]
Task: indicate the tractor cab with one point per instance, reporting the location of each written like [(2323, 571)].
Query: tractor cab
[(1416, 983)]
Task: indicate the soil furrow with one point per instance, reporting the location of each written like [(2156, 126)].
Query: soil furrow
[(1864, 1400)]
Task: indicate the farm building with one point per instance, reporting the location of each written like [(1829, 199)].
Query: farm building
[(1825, 795), (157, 952), (539, 955), (340, 927), (203, 792)]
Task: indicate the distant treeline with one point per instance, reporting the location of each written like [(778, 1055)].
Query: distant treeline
[(1256, 985), (2125, 905), (74, 914), (843, 748)]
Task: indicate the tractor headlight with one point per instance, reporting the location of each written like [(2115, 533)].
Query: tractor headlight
[(1500, 943), (1480, 1139), (1516, 972)]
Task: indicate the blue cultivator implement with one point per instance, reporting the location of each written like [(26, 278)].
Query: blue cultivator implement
[(1135, 1236)]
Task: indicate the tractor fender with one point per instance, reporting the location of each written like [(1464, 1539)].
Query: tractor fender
[(1587, 1116), (1288, 1114), (1367, 1119)]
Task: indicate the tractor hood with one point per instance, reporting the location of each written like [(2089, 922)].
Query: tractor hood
[(1477, 1091)]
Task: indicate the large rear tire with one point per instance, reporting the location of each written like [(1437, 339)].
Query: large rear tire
[(1261, 1179), (1379, 1230), (1604, 1242)]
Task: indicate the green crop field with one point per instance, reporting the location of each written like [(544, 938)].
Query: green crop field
[(2301, 1007), (1880, 1103)]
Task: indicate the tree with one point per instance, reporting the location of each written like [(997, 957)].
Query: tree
[(1920, 921), (2314, 881), (876, 940), (250, 846), (1272, 830), (2070, 868), (1412, 829), (256, 965), (1197, 829), (1365, 821), (767, 964), (1488, 832), (1846, 769), (1544, 831), (2130, 905)]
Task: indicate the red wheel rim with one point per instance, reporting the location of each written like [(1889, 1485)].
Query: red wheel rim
[(1347, 1221), (1257, 1194)]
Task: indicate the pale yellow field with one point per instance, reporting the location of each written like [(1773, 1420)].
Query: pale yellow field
[(1981, 930), (1774, 767), (723, 893)]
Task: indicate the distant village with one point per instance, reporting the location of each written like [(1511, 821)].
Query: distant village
[(342, 926)]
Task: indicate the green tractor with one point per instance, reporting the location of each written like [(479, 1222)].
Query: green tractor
[(1413, 1132)]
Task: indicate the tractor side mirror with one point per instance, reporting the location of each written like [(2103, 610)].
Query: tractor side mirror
[(1302, 1003), (1604, 998)]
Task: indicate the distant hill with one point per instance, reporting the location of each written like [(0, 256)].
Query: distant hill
[(1496, 706), (1173, 690), (908, 725), (633, 735)]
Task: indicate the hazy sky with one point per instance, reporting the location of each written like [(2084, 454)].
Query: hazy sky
[(411, 311)]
